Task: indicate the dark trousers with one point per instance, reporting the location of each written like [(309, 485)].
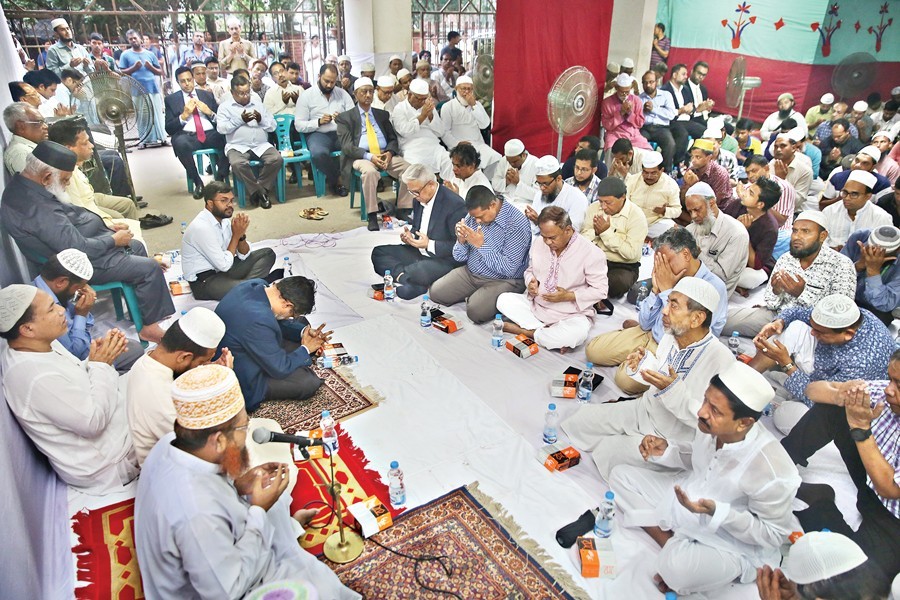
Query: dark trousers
[(299, 385), (185, 144), (320, 146), (267, 179), (879, 533), (154, 298), (621, 277), (662, 135), (419, 272), (256, 266), (680, 132), (115, 172)]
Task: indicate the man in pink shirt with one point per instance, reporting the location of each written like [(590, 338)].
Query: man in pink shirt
[(887, 166), (565, 277), (622, 115)]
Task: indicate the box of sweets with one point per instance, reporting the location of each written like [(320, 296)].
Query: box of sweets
[(372, 515), (522, 346)]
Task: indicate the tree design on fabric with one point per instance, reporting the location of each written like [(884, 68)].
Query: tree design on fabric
[(740, 24), (827, 29), (879, 31)]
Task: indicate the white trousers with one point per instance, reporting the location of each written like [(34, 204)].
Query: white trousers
[(568, 333), (751, 279), (659, 228)]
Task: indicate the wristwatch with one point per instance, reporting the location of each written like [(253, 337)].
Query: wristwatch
[(243, 238), (860, 435)]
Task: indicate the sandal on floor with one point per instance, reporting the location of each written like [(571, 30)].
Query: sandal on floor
[(311, 214), (320, 211)]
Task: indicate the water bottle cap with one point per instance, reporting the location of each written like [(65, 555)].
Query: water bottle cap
[(735, 334), (671, 596), (425, 297), (589, 366), (395, 464), (387, 272), (826, 530), (551, 406), (184, 222), (498, 316), (184, 312), (610, 495), (326, 413), (287, 258)]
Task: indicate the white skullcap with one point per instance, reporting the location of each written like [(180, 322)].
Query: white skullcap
[(783, 135), (860, 106), (700, 291), (395, 57), (14, 301), (627, 63), (624, 80), (895, 91), (820, 555), (547, 165), (827, 98), (513, 147), (206, 396), (343, 57), (717, 123), (203, 327), (464, 79), (612, 67), (815, 216), (712, 133), (651, 160), (864, 177), (871, 151), (885, 134), (796, 134), (786, 95), (403, 73), (886, 236), (419, 86), (748, 384), (386, 81), (58, 23), (77, 263), (701, 188), (835, 311), (367, 66), (331, 58), (363, 82)]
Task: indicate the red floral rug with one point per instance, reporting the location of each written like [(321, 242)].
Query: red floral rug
[(106, 554), (489, 557)]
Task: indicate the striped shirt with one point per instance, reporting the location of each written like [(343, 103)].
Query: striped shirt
[(786, 204), (886, 431), (504, 253)]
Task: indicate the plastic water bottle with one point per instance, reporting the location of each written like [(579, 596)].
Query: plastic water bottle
[(497, 332), (425, 317), (396, 487), (288, 268), (389, 292), (586, 384), (671, 595), (734, 343), (329, 433), (551, 422), (603, 524), (183, 227), (642, 293)]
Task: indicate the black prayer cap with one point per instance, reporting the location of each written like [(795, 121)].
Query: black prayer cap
[(55, 155), (611, 186)]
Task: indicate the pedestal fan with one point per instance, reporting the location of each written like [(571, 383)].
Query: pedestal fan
[(571, 103), (738, 83)]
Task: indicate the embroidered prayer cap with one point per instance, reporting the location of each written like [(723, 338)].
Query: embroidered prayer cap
[(203, 327), (700, 291), (704, 144), (748, 384), (58, 23), (77, 263), (343, 57), (513, 147), (14, 301), (206, 396), (624, 80), (386, 81), (885, 134), (627, 63), (419, 86), (612, 67), (836, 311), (871, 151), (55, 155), (815, 216), (395, 57), (860, 106), (367, 66), (786, 95), (864, 177), (886, 236), (820, 555), (547, 165), (611, 186), (403, 73), (464, 79), (827, 98), (701, 188), (651, 160), (363, 82)]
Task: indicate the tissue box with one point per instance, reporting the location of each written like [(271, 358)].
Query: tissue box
[(522, 346), (371, 515), (559, 459), (587, 552)]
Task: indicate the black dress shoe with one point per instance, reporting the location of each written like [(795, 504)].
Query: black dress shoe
[(198, 191), (292, 179), (264, 200), (141, 204), (403, 213), (373, 222), (340, 190)]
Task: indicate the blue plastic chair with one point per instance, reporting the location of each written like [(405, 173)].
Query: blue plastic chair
[(198, 156), (283, 138), (318, 176), (356, 184)]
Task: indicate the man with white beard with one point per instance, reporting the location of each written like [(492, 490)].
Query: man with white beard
[(724, 242), (464, 118)]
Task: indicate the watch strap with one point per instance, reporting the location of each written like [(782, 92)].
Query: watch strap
[(860, 435)]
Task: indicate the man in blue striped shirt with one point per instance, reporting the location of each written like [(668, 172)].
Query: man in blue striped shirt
[(493, 241)]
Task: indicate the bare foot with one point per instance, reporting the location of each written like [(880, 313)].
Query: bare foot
[(629, 323), (304, 516), (564, 350), (743, 292), (660, 584), (516, 330), (151, 333)]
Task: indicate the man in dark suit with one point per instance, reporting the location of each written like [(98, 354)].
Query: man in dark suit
[(191, 122), (369, 144), (427, 251), (683, 125)]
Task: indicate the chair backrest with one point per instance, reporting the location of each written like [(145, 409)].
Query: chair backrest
[(283, 131)]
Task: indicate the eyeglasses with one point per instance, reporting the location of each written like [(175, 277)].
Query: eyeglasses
[(242, 427), (851, 195), (418, 191), (40, 123), (544, 186)]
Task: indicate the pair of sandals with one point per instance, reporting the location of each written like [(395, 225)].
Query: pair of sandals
[(151, 221), (314, 214)]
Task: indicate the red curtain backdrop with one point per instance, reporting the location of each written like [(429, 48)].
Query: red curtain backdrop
[(536, 41)]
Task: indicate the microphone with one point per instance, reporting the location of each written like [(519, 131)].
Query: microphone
[(264, 436)]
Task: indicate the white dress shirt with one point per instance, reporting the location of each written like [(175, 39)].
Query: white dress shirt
[(427, 209), (189, 125), (205, 246), (464, 185), (241, 136), (312, 104), (276, 105), (840, 226)]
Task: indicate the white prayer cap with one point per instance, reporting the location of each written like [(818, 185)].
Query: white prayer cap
[(711, 133), (386, 81), (895, 91), (864, 177), (403, 73), (796, 134), (331, 58), (206, 396), (363, 82), (820, 555), (651, 160), (547, 165), (701, 188), (860, 106), (612, 67), (748, 384), (717, 123), (786, 96), (513, 147), (782, 135), (367, 66), (700, 291), (836, 311), (419, 86), (885, 134), (14, 301), (203, 327), (886, 236), (624, 80), (464, 79), (77, 263), (395, 57), (58, 23), (872, 151), (827, 98), (343, 57), (627, 63), (816, 216)]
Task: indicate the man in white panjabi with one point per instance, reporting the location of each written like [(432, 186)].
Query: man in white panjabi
[(655, 193), (206, 525), (464, 118), (687, 356), (727, 510), (553, 191), (515, 173), (420, 129), (385, 99)]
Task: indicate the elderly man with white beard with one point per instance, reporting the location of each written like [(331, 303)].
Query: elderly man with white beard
[(420, 129), (464, 118)]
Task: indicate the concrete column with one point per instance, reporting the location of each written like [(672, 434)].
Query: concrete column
[(376, 30), (631, 33)]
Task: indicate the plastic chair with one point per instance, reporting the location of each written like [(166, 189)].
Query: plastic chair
[(240, 190), (198, 156), (356, 184), (318, 176), (285, 124)]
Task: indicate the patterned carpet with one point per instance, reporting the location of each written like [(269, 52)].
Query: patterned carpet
[(487, 553), (106, 554), (340, 393)]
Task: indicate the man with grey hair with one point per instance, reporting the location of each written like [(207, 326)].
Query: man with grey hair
[(29, 128), (426, 254), (234, 52), (724, 242)]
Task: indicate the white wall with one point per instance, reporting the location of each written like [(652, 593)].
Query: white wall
[(631, 33)]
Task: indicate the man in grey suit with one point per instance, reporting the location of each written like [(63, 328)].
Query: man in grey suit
[(369, 144), (426, 254), (42, 226)]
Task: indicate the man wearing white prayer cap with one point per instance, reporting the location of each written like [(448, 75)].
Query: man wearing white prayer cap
[(464, 118), (719, 505), (553, 191), (404, 78), (655, 193), (785, 111), (206, 524), (345, 78), (367, 69), (877, 273), (820, 113), (395, 65), (866, 159), (622, 115), (855, 210), (420, 129), (687, 356), (65, 53), (384, 93), (515, 173), (70, 408), (859, 116), (887, 166)]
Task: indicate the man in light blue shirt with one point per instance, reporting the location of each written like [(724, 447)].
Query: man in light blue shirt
[(142, 64), (659, 110)]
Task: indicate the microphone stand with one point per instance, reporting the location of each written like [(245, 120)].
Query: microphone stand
[(344, 545)]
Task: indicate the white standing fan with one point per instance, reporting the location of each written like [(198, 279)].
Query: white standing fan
[(571, 103), (738, 83)]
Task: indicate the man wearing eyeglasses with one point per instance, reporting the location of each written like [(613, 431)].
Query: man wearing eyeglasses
[(854, 211), (28, 128), (553, 191), (865, 160)]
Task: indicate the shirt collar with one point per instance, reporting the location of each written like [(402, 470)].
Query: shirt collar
[(207, 216), (24, 141), (40, 284)]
